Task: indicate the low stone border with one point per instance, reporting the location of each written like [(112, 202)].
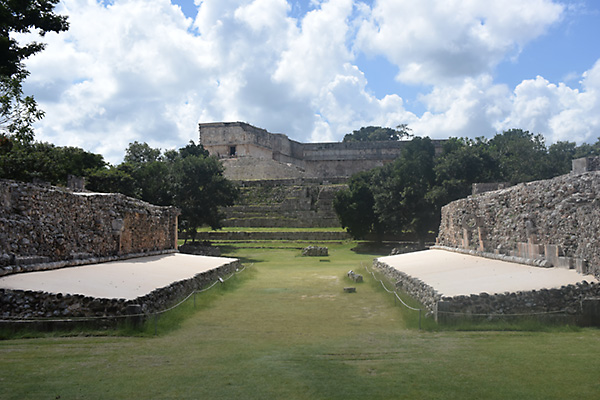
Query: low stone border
[(47, 266), (292, 236), (27, 304), (534, 262), (568, 299)]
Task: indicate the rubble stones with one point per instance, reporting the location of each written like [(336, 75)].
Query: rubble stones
[(36, 304), (45, 224), (567, 299), (200, 249), (550, 222), (315, 251)]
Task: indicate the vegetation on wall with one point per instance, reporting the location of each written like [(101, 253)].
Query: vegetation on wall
[(187, 178), (407, 195), (378, 134)]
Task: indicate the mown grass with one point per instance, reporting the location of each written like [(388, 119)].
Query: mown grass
[(287, 330), (273, 229)]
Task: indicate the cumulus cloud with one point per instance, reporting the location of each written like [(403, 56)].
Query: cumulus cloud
[(140, 70), (558, 111), (433, 41)]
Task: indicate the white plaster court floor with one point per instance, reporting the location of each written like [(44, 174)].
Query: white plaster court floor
[(454, 274), (125, 279)]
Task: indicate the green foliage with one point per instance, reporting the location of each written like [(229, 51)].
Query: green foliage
[(406, 196), (113, 180), (355, 206), (28, 161), (377, 133), (17, 111), (141, 153), (200, 190), (22, 16), (521, 156), (462, 162), (400, 190)]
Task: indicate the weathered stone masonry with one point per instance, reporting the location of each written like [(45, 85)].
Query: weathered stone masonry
[(549, 223), (554, 221), (37, 304), (42, 225)]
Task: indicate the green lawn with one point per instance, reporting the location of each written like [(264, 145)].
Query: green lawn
[(273, 229), (284, 329)]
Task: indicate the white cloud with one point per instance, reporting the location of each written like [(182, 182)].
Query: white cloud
[(558, 111), (318, 51), (140, 70), (470, 108), (433, 41)]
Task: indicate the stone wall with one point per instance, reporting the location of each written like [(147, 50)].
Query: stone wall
[(301, 203), (566, 302), (26, 304), (258, 236), (44, 224), (316, 160), (555, 222)]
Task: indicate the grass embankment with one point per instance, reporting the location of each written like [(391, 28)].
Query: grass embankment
[(285, 329)]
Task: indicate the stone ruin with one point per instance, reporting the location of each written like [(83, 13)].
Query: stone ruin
[(315, 251), (547, 223), (44, 227)]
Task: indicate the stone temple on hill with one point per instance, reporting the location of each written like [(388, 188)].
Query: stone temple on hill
[(251, 153)]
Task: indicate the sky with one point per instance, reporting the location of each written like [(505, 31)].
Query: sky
[(151, 70)]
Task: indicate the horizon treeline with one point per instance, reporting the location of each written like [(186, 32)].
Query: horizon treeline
[(406, 195)]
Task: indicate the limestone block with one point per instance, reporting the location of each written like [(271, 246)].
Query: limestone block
[(315, 251)]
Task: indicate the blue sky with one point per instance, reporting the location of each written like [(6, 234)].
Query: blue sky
[(151, 70)]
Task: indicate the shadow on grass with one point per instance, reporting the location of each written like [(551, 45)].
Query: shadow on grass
[(151, 325), (161, 324)]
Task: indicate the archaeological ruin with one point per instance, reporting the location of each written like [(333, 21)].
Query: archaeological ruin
[(547, 224), (284, 182), (45, 228)]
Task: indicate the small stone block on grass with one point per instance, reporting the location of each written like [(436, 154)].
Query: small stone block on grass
[(349, 290), (355, 277), (315, 251)]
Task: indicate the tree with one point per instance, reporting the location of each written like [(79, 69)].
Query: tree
[(462, 162), (28, 161), (23, 16), (392, 199), (140, 153), (560, 156), (19, 112), (377, 133), (200, 191), (113, 180), (354, 207), (400, 190), (521, 156)]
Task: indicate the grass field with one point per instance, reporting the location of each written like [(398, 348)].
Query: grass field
[(284, 329), (273, 229)]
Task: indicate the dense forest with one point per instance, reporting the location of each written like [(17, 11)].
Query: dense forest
[(406, 196)]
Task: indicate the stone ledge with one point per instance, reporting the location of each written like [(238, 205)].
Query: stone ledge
[(534, 262), (27, 304), (16, 269)]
